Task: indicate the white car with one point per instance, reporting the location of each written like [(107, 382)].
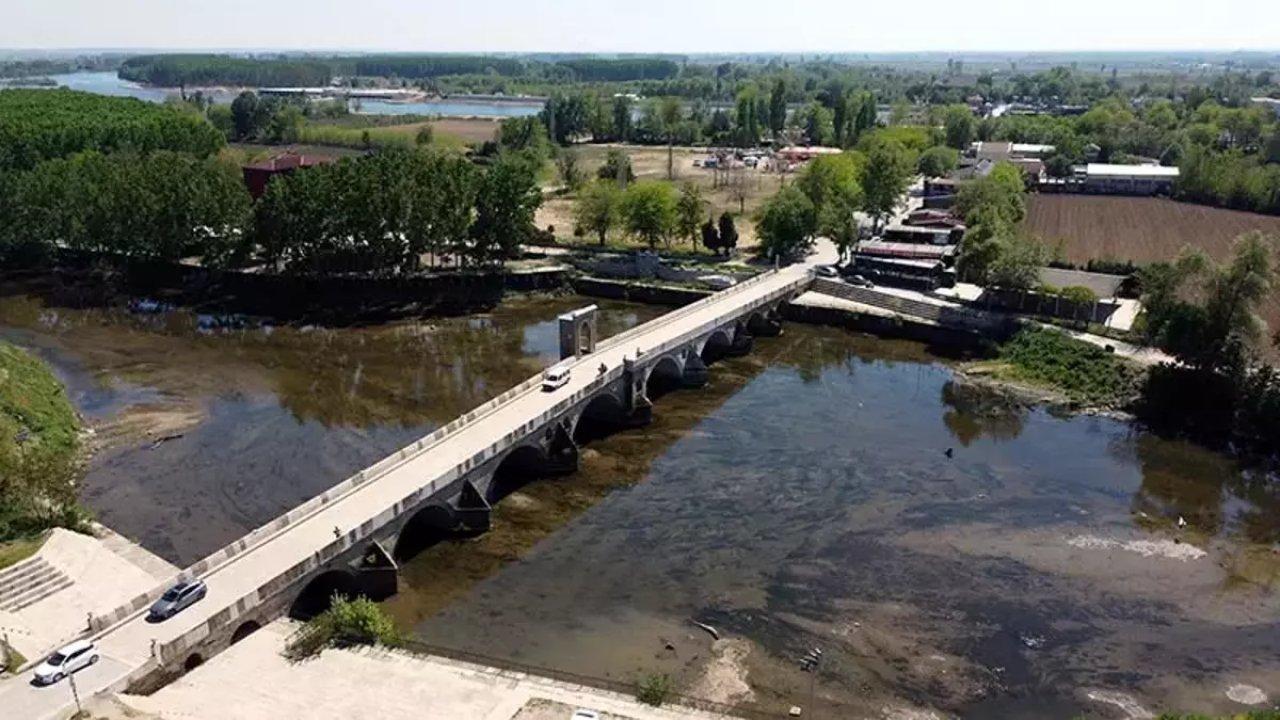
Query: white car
[(555, 378), (68, 659)]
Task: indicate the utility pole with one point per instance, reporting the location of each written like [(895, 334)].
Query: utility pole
[(75, 694)]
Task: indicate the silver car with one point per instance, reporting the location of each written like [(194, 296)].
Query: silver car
[(176, 599), (68, 659)]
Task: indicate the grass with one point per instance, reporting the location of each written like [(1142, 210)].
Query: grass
[(39, 451), (404, 136), (13, 552), (1084, 372), (34, 404)]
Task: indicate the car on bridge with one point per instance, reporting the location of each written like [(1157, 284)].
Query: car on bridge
[(176, 599), (66, 660), (555, 378)]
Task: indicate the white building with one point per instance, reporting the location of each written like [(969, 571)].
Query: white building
[(1127, 179)]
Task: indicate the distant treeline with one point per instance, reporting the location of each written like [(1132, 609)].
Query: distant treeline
[(185, 70), (199, 69), (37, 125), (597, 70)]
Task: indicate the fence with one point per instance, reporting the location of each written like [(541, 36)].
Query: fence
[(174, 648)]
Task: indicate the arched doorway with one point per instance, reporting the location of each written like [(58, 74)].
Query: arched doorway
[(318, 595)]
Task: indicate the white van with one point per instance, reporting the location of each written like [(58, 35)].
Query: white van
[(554, 378)]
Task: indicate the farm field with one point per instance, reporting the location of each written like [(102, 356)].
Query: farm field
[(1142, 230)]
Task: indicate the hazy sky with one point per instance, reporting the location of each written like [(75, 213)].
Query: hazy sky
[(643, 25)]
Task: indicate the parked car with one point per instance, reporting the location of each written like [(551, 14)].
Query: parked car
[(861, 281), (555, 378), (66, 660), (585, 715), (176, 599), (826, 271)]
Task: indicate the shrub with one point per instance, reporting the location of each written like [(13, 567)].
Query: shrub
[(347, 623), (653, 689), (1085, 372)]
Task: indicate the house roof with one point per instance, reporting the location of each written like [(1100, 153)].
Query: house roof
[(288, 161), (1131, 171)]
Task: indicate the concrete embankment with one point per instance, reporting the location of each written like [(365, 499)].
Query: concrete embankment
[(375, 683)]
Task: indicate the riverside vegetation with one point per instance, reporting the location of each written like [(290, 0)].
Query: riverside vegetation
[(39, 455), (346, 623)]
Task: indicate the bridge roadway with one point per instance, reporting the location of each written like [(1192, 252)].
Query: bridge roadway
[(128, 644)]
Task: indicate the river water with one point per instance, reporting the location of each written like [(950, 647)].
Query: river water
[(109, 83), (802, 499)]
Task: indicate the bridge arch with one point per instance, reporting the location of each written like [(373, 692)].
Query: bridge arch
[(518, 468), (246, 629), (318, 594), (716, 345), (663, 377), (424, 528), (602, 415), (193, 661)]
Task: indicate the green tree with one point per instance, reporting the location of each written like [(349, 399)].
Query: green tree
[(649, 210), (786, 224), (567, 167), (937, 161), (728, 233), (597, 208), (959, 126), (829, 179), (669, 116), (710, 237), (778, 106), (689, 209), (622, 118), (1001, 194), (506, 201), (885, 177), (617, 167), (746, 120)]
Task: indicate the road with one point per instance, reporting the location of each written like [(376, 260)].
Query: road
[(129, 643)]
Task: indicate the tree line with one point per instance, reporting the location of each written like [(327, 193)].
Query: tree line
[(200, 69), (37, 125), (1205, 314)]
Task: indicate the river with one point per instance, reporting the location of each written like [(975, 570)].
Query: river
[(802, 499), (109, 83)]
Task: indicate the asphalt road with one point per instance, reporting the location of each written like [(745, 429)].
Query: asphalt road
[(21, 700)]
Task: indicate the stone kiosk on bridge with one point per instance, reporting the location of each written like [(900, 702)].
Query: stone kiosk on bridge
[(349, 539)]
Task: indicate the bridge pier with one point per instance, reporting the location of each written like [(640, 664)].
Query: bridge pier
[(472, 510), (695, 371), (767, 325)]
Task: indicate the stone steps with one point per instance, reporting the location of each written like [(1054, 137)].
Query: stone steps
[(29, 582)]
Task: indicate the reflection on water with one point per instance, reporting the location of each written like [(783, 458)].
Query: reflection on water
[(803, 498), (283, 413)]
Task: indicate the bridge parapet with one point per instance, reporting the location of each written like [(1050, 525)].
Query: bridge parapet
[(271, 589)]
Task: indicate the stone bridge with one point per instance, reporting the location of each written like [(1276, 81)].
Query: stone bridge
[(350, 539)]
